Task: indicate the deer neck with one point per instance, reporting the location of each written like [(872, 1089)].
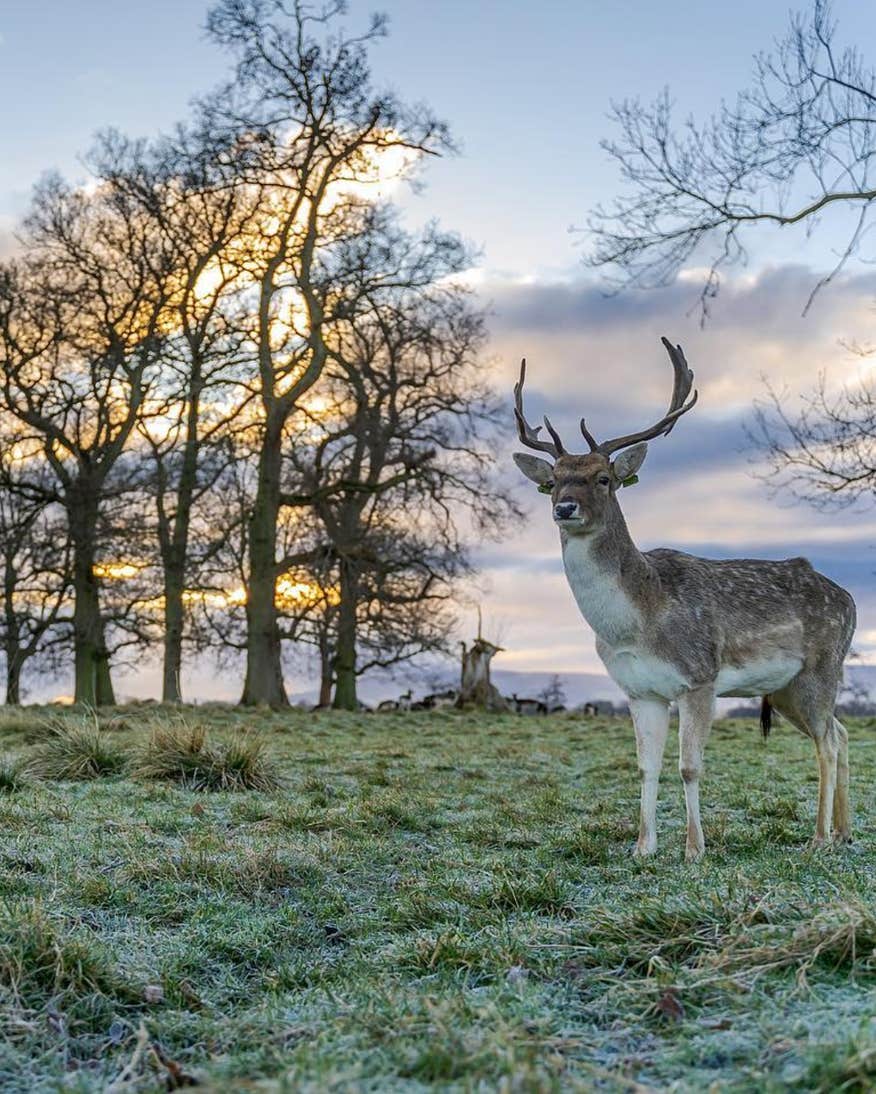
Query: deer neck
[(610, 578)]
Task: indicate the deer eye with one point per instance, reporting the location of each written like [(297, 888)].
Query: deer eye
[(603, 480)]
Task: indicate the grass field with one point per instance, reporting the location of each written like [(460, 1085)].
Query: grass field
[(428, 900)]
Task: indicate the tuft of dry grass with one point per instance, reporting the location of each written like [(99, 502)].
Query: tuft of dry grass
[(686, 948), (841, 937), (75, 750), (183, 754)]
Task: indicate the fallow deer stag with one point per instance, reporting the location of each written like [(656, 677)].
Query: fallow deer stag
[(671, 626)]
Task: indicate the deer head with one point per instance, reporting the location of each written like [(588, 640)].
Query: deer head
[(582, 488)]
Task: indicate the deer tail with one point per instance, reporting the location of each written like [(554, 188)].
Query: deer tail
[(766, 717)]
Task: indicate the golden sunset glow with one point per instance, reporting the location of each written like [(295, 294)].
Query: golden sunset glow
[(292, 593), (116, 571), (317, 406), (378, 171), (22, 451), (214, 599)]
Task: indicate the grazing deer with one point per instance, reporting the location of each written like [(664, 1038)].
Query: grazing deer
[(402, 703), (441, 700), (671, 626), (527, 706)]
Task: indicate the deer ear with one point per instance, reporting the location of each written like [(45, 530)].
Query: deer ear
[(534, 468), (629, 462)]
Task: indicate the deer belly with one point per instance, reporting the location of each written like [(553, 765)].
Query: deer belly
[(643, 675), (758, 677)]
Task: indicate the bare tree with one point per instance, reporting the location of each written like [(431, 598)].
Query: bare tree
[(304, 127), (216, 580), (401, 453), (308, 601), (35, 558), (800, 140), (202, 220), (80, 335), (825, 453), (553, 694)]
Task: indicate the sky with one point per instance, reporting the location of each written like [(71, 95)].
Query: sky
[(526, 90)]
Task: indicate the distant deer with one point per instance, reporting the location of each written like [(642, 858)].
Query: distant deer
[(402, 703), (441, 700), (671, 626), (527, 706)]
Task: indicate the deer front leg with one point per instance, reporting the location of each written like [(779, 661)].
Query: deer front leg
[(827, 748), (696, 710), (651, 722)]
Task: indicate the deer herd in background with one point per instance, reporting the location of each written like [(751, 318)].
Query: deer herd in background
[(444, 700), (449, 698)]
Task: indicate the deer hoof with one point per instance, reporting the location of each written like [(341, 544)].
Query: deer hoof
[(692, 854), (644, 850)]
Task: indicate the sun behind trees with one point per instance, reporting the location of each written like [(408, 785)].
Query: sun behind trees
[(249, 399)]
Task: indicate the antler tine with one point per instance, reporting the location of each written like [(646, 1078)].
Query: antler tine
[(683, 382), (529, 435), (683, 375), (588, 437), (555, 436)]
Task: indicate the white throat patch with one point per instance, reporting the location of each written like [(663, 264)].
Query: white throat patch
[(601, 600)]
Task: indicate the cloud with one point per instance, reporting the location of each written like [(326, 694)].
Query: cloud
[(602, 356)]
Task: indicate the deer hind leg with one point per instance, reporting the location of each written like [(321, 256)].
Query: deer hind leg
[(651, 722), (696, 711), (808, 703)]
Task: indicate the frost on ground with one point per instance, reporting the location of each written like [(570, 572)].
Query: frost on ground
[(375, 902)]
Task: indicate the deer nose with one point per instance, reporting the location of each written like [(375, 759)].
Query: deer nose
[(563, 510)]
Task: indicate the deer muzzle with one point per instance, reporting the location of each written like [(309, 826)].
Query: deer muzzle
[(565, 510)]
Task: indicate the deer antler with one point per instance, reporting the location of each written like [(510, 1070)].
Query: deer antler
[(677, 406), (529, 435)]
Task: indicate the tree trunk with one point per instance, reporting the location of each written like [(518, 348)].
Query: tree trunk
[(174, 584), (93, 680), (12, 634), (14, 666), (173, 538), (475, 688), (326, 674), (345, 645), (264, 673)]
